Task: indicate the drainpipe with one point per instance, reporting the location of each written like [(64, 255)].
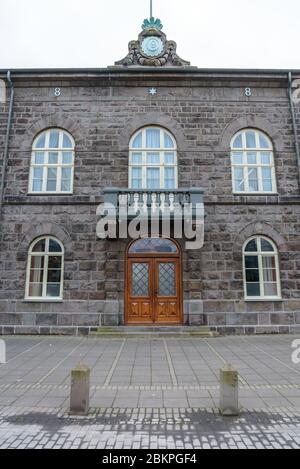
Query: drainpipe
[(294, 121), (6, 144)]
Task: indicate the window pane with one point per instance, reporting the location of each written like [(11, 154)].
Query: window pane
[(168, 141), (153, 138), (250, 139), (265, 158), (152, 245), (169, 158), (137, 142), (140, 279), (53, 158), (53, 289), (270, 289), (153, 178), (251, 246), (39, 157), (39, 246), (153, 158), (237, 158), (267, 185), (54, 276), (37, 185), (41, 141), (253, 179), (36, 289), (66, 173), (136, 180), (54, 246), (266, 173), (169, 178), (38, 173), (269, 266), (167, 279), (251, 158), (267, 179), (36, 276), (251, 262), (266, 246), (65, 186), (51, 186), (269, 275), (253, 289), (54, 139), (252, 275), (137, 158), (54, 262), (67, 143), (67, 157), (51, 179), (37, 262), (238, 142), (239, 183), (263, 141)]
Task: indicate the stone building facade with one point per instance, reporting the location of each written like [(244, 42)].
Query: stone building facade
[(101, 110)]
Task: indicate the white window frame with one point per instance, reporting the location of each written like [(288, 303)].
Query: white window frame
[(46, 150), (46, 254), (144, 165), (245, 165), (260, 254)]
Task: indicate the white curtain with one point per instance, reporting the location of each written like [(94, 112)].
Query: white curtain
[(153, 178), (168, 141), (36, 275), (153, 138)]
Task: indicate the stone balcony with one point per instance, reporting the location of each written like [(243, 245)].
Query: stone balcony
[(160, 202)]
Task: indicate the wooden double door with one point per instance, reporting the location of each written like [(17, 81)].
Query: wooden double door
[(153, 290)]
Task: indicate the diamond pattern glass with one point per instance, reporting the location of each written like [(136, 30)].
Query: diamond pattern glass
[(167, 279), (140, 279)]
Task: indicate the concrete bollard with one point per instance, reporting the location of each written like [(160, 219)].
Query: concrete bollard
[(229, 391), (80, 390), (2, 352)]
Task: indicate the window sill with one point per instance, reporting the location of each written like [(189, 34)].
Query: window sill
[(270, 300), (43, 300), (246, 194), (49, 193)]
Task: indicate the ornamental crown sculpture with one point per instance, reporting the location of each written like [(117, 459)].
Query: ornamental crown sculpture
[(152, 49)]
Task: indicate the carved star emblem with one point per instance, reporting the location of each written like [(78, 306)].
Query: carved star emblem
[(153, 91)]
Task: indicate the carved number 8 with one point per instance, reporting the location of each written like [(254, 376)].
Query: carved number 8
[(57, 92), (248, 92)]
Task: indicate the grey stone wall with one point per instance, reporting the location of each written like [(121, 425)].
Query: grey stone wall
[(203, 115)]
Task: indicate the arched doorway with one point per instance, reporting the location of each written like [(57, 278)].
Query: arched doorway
[(153, 282)]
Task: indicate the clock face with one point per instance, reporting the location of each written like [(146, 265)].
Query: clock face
[(152, 46)]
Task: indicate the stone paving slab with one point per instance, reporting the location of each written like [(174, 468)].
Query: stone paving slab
[(38, 371), (149, 393)]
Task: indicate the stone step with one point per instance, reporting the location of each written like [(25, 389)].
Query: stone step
[(146, 331)]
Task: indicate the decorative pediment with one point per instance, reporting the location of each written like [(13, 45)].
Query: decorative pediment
[(152, 49)]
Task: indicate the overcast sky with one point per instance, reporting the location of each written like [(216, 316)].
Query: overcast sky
[(95, 33)]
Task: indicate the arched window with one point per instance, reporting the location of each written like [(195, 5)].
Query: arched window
[(153, 160), (52, 163), (152, 246), (261, 269), (45, 269), (252, 161)]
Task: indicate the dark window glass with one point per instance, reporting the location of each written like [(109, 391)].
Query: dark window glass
[(251, 262)]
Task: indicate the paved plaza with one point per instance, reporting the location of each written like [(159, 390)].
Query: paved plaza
[(149, 393)]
